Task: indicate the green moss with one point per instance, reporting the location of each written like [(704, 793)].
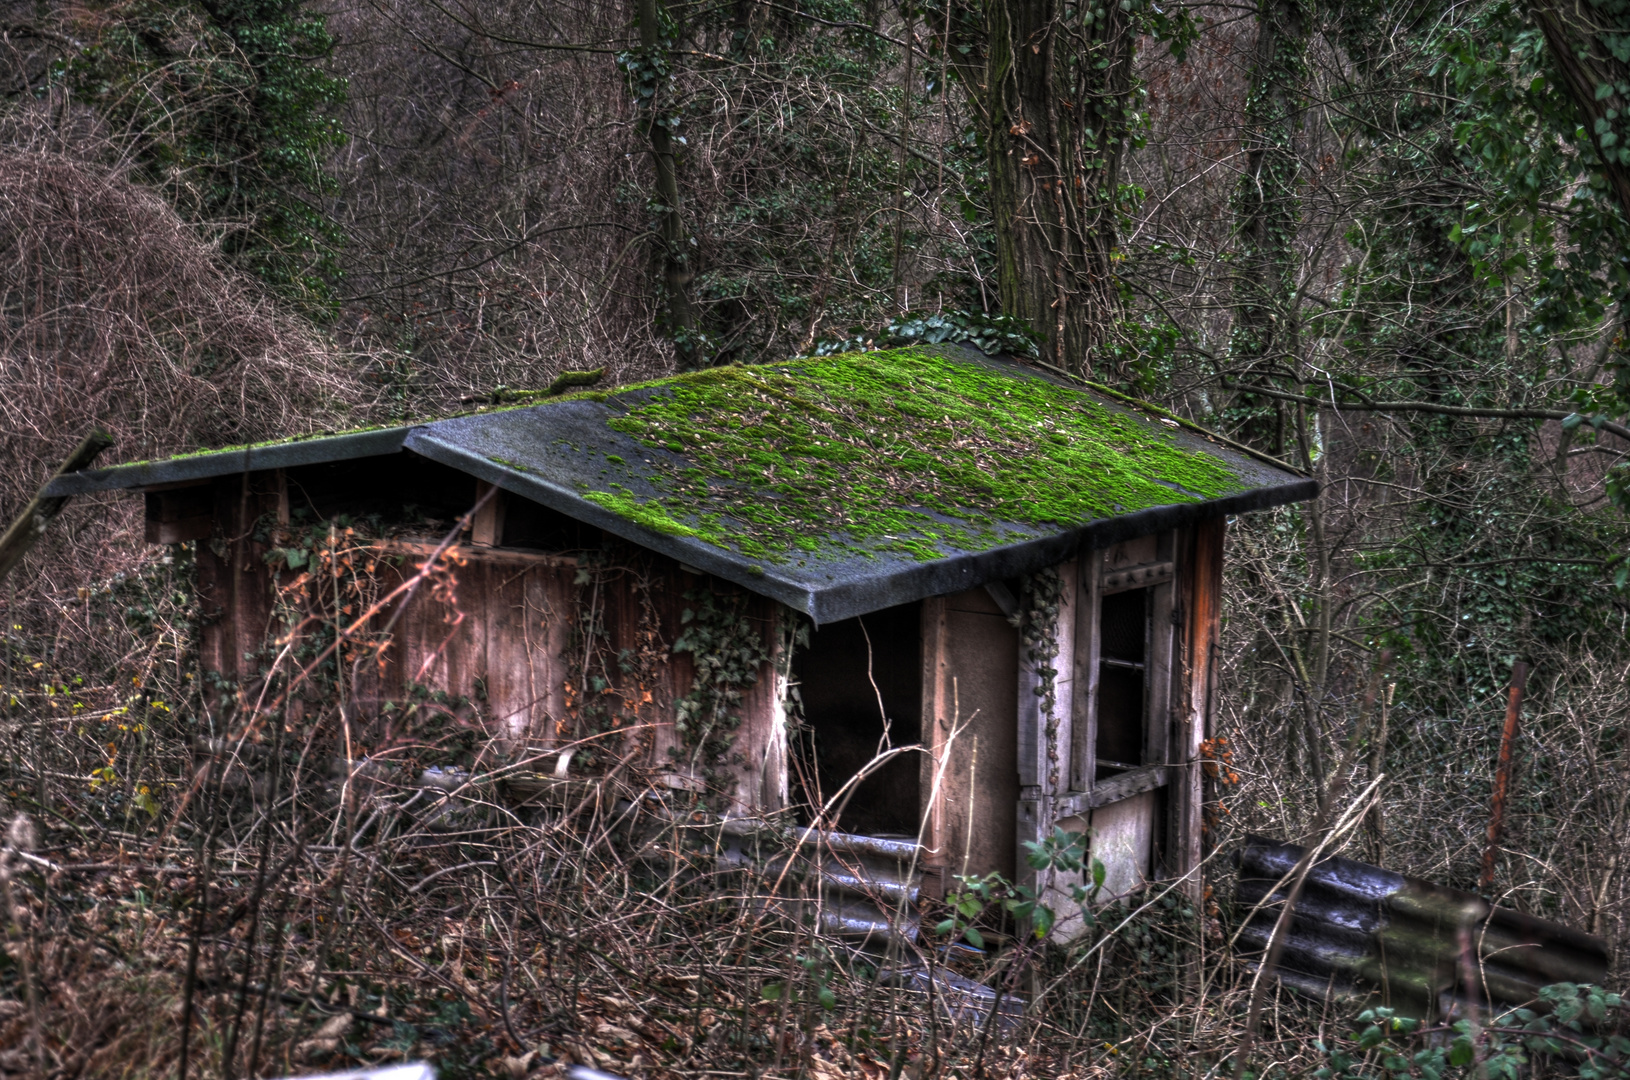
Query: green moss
[(615, 459), (878, 450), (650, 513)]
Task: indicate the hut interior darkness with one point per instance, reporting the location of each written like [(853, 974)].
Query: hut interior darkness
[(741, 586)]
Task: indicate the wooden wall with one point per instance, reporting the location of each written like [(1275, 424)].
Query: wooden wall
[(1008, 772), (1198, 618), (502, 628)]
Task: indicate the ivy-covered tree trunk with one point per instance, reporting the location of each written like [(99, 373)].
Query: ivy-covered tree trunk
[(1587, 42), (653, 83), (228, 110), (1057, 82), (1267, 213)]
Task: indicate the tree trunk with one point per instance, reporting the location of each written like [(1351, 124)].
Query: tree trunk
[(1057, 83), (1267, 214), (1577, 34), (675, 247)]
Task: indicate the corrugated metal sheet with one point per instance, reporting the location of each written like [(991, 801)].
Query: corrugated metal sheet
[(1364, 932), (553, 453), (857, 887)]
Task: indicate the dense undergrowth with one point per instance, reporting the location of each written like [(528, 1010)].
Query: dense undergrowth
[(183, 871), (193, 877)]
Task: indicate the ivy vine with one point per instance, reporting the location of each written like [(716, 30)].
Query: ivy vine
[(1042, 600), (987, 332), (727, 651)]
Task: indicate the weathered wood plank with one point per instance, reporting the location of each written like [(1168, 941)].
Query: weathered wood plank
[(981, 788), (1114, 789), (1084, 700)]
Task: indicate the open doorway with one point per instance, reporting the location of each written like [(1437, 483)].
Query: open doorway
[(853, 674)]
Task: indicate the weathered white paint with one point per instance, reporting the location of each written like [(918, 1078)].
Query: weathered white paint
[(1123, 836)]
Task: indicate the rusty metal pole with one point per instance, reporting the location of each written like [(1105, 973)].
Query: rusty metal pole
[(1502, 772)]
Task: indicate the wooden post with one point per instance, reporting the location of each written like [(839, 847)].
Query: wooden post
[(1200, 617), (30, 525), (1376, 819), (1502, 772), (487, 527), (938, 723)]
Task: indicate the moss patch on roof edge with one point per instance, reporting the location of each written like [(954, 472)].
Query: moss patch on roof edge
[(1160, 410), (901, 450)]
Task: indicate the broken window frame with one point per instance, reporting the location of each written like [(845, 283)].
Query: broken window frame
[(1106, 576)]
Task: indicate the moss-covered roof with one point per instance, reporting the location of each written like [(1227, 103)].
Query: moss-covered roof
[(845, 483)]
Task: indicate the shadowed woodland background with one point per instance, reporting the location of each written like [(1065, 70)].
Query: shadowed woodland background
[(1376, 238)]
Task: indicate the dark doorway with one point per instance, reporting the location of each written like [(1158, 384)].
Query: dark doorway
[(841, 676)]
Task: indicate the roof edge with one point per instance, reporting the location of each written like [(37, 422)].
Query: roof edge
[(209, 464), (973, 569), (696, 553)]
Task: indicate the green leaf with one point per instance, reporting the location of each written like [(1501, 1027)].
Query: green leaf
[(1044, 920), (772, 991), (1461, 1051), (975, 938)]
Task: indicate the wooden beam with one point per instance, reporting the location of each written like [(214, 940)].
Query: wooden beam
[(1084, 699), (1116, 788), (30, 525)]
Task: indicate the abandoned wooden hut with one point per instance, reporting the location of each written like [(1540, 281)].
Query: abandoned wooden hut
[(742, 584)]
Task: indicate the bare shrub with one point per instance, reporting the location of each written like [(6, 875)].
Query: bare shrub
[(117, 315)]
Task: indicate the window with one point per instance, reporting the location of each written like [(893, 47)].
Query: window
[(1123, 646), (1127, 599)]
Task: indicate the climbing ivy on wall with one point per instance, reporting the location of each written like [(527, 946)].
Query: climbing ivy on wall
[(727, 653), (1040, 606), (607, 688)]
